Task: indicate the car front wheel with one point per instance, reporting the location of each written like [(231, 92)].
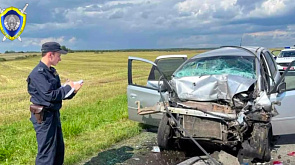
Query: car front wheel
[(164, 136), (258, 146)]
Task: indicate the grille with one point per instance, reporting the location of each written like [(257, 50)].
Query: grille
[(203, 128)]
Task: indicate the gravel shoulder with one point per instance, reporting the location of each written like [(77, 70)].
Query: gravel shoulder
[(136, 151)]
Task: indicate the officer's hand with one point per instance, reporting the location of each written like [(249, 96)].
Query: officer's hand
[(77, 87), (71, 83)]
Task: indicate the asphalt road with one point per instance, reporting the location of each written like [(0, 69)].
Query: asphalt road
[(138, 151)]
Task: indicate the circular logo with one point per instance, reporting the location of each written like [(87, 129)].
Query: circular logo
[(11, 22)]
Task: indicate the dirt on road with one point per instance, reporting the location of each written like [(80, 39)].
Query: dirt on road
[(138, 151)]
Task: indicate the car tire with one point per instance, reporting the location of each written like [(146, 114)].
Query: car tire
[(265, 134), (263, 139), (258, 146), (268, 146), (164, 136)]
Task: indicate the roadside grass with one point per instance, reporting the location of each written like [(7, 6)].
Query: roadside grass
[(100, 126), (276, 51), (95, 119)]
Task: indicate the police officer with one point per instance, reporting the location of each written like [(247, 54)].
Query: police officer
[(45, 89)]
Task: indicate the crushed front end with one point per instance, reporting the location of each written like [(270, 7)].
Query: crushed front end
[(222, 106)]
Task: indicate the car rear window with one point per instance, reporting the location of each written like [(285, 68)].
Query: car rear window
[(234, 65)]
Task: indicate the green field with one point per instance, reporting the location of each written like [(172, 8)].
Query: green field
[(95, 119)]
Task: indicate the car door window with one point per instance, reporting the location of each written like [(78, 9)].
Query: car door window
[(140, 74), (167, 66), (271, 63), (290, 79), (265, 74)]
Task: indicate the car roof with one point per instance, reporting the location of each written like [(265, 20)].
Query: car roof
[(171, 56), (230, 51)]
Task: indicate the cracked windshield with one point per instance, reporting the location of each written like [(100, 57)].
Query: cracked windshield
[(233, 65)]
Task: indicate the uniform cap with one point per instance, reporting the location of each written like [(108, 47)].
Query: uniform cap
[(52, 47)]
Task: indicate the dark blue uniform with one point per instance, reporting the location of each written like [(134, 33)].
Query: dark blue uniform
[(45, 89)]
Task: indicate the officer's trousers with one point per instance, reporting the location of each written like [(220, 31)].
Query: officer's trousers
[(49, 139)]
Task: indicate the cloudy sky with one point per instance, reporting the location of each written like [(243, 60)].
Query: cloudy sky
[(134, 24)]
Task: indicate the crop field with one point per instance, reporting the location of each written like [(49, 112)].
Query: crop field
[(92, 121), (16, 56)]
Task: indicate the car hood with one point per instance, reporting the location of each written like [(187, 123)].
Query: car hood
[(285, 59), (210, 87)]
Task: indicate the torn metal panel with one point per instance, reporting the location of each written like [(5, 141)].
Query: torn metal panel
[(192, 112), (149, 110), (241, 117), (210, 87), (263, 101), (208, 106)]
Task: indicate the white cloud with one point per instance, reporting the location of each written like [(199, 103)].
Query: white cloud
[(158, 23), (39, 41), (206, 40), (269, 8), (232, 10), (206, 9), (204, 6), (291, 28), (274, 33), (143, 15), (52, 26), (116, 3), (72, 40), (227, 4), (27, 42), (273, 6), (101, 11), (59, 40), (274, 38), (128, 15)]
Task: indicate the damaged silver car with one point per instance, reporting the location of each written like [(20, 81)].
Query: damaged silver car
[(231, 96)]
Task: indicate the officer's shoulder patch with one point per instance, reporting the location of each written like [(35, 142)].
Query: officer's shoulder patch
[(40, 69), (55, 73)]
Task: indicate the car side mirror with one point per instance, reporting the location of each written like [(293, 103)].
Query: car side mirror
[(165, 86), (275, 57), (281, 87)]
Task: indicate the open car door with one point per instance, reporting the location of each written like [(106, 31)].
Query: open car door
[(143, 79), (284, 96)]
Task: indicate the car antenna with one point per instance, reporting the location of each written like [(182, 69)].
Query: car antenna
[(241, 40)]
